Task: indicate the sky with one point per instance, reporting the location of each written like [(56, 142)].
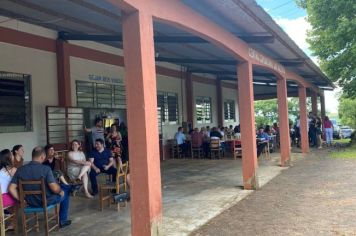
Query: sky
[(292, 20)]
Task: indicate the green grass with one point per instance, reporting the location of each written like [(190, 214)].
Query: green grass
[(348, 153), (346, 140)]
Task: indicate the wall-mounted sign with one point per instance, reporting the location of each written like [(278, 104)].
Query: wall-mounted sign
[(105, 79), (266, 61)]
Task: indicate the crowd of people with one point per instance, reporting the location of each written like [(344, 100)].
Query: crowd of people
[(317, 129), (201, 138), (104, 157)]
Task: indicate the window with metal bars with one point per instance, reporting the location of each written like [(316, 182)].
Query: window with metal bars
[(100, 95), (15, 102), (229, 111), (167, 107), (203, 110)]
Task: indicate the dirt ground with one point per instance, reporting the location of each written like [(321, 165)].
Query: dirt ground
[(316, 196)]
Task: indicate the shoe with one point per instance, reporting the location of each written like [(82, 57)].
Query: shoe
[(65, 223)]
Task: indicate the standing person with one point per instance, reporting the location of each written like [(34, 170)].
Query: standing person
[(55, 193), (328, 129), (297, 131), (18, 153), (97, 132), (102, 161), (78, 166), (312, 130), (318, 132), (124, 142), (114, 139)]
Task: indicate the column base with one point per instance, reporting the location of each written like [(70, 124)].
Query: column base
[(252, 183), (156, 227)]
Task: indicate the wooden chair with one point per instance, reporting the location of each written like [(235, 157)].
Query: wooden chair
[(196, 150), (266, 151), (105, 193), (215, 148), (176, 151), (237, 149), (25, 209), (5, 218)]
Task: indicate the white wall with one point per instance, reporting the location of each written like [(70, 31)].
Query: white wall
[(42, 67)]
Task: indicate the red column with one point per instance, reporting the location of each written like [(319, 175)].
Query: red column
[(63, 74), (189, 98), (141, 95), (314, 100), (303, 119), (219, 103), (247, 122), (283, 121)]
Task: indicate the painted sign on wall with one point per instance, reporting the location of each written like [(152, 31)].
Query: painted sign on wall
[(266, 61), (105, 79)]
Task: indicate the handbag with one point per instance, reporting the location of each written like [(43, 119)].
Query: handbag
[(121, 197)]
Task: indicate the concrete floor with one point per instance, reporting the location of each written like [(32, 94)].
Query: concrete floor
[(194, 191)]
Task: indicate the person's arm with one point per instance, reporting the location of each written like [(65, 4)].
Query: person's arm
[(52, 184), (13, 191), (93, 166), (13, 186), (111, 163)]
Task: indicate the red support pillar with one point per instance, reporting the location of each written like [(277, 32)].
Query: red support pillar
[(283, 121), (303, 119), (247, 122), (63, 74), (219, 103), (314, 100), (141, 95), (189, 98)]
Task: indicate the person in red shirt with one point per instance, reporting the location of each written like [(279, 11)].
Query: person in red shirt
[(328, 129)]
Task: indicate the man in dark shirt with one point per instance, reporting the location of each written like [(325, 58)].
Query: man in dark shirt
[(102, 162), (54, 192), (215, 133)]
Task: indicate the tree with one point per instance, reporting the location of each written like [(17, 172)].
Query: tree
[(332, 38), (266, 111), (347, 111)]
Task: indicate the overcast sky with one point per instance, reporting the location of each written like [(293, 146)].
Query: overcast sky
[(292, 20)]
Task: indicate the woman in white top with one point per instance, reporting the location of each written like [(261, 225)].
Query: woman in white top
[(78, 166)]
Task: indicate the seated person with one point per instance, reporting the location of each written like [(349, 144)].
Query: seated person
[(263, 136), (102, 161), (180, 138), (18, 153), (78, 167), (55, 193), (197, 138), (215, 134), (7, 171), (53, 162)]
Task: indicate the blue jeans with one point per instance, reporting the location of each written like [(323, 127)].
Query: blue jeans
[(64, 203)]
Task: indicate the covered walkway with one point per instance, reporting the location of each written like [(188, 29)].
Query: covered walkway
[(195, 51), (194, 191)]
